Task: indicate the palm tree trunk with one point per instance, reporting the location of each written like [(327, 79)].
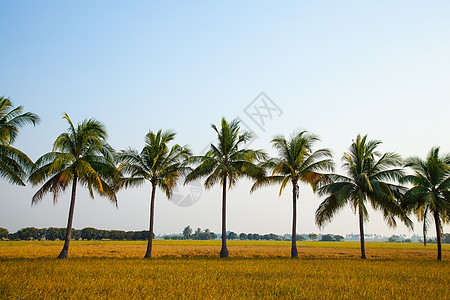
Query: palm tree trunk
[(65, 249), (224, 250), (361, 234), (294, 253), (438, 234), (424, 231), (148, 254)]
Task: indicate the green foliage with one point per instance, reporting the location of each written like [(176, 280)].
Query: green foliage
[(430, 195), (52, 234), (88, 233), (296, 162), (3, 233), (327, 238), (225, 163), (332, 238), (243, 236), (187, 231), (254, 236), (156, 163), (446, 238), (299, 238), (226, 160), (371, 177), (203, 235), (28, 233), (12, 119), (80, 153), (232, 235), (338, 238), (14, 164), (313, 236), (431, 187)]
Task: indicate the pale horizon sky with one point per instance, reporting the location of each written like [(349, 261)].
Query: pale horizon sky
[(334, 68)]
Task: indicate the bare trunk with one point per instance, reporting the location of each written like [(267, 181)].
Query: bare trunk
[(361, 234), (148, 254), (424, 232), (438, 234), (224, 250), (294, 253), (65, 250)]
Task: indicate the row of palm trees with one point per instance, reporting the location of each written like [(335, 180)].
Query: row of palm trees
[(81, 156)]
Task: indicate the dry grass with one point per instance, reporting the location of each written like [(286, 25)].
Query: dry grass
[(205, 249), (191, 270)]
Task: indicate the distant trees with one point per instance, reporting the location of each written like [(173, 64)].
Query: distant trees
[(204, 235), (187, 232), (232, 236), (300, 238), (313, 236), (327, 238), (3, 233), (332, 238), (53, 234), (338, 238), (398, 239), (446, 238), (89, 233)]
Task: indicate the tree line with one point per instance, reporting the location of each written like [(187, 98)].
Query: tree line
[(88, 233), (82, 157)]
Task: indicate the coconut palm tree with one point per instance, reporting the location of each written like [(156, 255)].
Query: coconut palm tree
[(14, 164), (157, 163), (371, 177), (296, 162), (430, 194), (80, 155), (225, 163)]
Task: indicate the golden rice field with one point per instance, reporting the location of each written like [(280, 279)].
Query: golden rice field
[(192, 270)]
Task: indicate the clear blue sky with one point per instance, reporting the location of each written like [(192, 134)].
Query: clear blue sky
[(337, 68)]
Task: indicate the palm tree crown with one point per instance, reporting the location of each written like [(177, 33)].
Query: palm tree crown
[(227, 159), (225, 163), (156, 163), (430, 193), (296, 162), (80, 155), (14, 164), (371, 177), (12, 119)]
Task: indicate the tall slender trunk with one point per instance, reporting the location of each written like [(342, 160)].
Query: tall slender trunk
[(294, 253), (65, 250), (361, 234), (148, 254), (438, 234), (424, 231), (224, 250)]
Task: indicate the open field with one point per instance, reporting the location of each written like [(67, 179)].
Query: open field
[(191, 269)]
